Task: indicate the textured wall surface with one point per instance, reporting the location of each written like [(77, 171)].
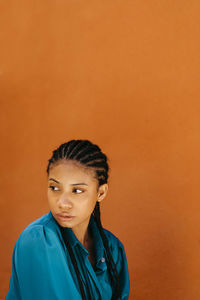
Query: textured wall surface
[(125, 74)]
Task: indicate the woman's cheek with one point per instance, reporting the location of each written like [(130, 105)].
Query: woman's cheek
[(54, 198)]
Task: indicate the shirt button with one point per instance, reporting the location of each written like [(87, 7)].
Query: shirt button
[(103, 259)]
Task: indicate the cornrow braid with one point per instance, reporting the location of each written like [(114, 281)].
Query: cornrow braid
[(91, 156)]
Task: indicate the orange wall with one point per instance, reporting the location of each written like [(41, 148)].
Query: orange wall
[(126, 75)]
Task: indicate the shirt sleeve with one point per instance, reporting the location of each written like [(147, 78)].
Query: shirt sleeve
[(14, 292), (39, 269), (122, 268), (119, 257)]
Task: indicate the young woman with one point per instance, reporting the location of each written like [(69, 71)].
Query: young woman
[(66, 254)]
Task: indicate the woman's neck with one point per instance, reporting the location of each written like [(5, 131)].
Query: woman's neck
[(82, 233)]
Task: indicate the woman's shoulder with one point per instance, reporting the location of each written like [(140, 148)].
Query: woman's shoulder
[(113, 240), (37, 230), (41, 222), (116, 247)]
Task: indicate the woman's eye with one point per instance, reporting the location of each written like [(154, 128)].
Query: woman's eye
[(77, 191), (54, 188)]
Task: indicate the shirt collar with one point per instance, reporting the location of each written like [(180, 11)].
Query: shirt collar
[(68, 233), (98, 243)]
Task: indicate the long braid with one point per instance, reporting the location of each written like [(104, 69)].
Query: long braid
[(74, 262), (111, 264), (91, 156)]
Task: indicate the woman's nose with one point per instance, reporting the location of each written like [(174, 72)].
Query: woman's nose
[(65, 202)]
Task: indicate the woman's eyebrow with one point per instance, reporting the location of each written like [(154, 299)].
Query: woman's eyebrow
[(80, 183), (54, 180)]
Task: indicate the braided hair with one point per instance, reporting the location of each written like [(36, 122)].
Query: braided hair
[(91, 156)]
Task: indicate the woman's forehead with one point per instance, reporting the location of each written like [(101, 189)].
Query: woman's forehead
[(70, 168)]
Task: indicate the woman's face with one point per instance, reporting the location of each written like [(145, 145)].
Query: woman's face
[(72, 193)]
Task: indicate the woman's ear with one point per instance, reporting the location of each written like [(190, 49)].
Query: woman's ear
[(102, 191)]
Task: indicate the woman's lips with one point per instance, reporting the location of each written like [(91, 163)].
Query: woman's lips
[(64, 217)]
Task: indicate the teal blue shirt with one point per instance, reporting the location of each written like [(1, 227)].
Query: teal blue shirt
[(42, 268)]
